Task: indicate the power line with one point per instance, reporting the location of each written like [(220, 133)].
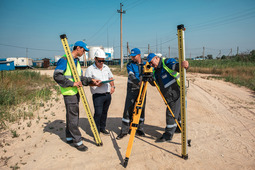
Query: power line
[(29, 48), (135, 4), (241, 15), (96, 33)]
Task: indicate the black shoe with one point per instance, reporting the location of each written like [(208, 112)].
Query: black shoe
[(82, 148), (104, 131), (140, 133), (162, 139), (69, 141), (120, 136)]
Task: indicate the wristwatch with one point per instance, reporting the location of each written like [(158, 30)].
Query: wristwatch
[(113, 87)]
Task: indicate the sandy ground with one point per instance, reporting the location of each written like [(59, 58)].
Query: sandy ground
[(221, 125)]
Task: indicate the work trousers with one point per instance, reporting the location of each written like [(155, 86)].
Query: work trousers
[(72, 119), (170, 121), (101, 106), (128, 111)]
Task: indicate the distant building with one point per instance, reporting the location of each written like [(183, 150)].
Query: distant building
[(21, 62), (46, 62), (6, 65), (38, 63)]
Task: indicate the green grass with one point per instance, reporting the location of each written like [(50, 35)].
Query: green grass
[(116, 70), (23, 86), (239, 70)]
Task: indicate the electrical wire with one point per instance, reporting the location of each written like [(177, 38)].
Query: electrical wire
[(29, 48), (96, 33)]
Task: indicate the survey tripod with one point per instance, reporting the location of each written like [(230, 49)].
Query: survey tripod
[(148, 76)]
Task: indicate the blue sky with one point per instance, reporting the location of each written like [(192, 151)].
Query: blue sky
[(32, 27)]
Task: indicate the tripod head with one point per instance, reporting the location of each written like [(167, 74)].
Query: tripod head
[(147, 72)]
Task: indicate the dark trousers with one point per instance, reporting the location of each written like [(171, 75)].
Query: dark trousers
[(101, 105), (72, 118), (170, 121), (128, 111)]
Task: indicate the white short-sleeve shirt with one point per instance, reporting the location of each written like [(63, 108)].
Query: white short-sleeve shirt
[(105, 74)]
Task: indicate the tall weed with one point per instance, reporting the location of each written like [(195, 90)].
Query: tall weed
[(21, 86)]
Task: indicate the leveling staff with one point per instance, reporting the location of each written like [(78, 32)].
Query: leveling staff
[(167, 78), (63, 76)]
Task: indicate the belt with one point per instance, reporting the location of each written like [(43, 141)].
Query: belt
[(101, 93)]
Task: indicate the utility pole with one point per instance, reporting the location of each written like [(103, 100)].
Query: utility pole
[(230, 53), (237, 50), (203, 52), (148, 49), (128, 52), (218, 54), (121, 48), (156, 43), (161, 46), (169, 51), (26, 52), (107, 37), (85, 58)]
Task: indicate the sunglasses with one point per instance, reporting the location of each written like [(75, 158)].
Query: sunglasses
[(100, 61)]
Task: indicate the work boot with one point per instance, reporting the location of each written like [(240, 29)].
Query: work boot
[(140, 133), (104, 131), (82, 148), (162, 139), (120, 136)]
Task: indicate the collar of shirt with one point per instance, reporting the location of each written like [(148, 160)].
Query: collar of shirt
[(94, 65)]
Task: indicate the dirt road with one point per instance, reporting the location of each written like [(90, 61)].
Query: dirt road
[(221, 125)]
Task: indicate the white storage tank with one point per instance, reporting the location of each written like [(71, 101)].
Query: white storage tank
[(92, 51), (109, 52), (158, 54), (81, 58), (56, 58)]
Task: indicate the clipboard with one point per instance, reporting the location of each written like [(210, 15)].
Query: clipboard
[(107, 81)]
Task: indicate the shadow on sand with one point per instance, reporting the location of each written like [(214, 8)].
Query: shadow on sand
[(57, 127)]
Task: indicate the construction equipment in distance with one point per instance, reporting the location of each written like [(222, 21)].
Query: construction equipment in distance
[(80, 90)]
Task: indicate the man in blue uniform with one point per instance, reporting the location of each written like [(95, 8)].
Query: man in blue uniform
[(167, 78), (63, 76), (135, 70)]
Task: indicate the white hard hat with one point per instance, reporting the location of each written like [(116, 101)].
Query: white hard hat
[(100, 53)]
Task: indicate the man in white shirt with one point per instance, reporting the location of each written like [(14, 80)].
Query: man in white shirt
[(102, 93)]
